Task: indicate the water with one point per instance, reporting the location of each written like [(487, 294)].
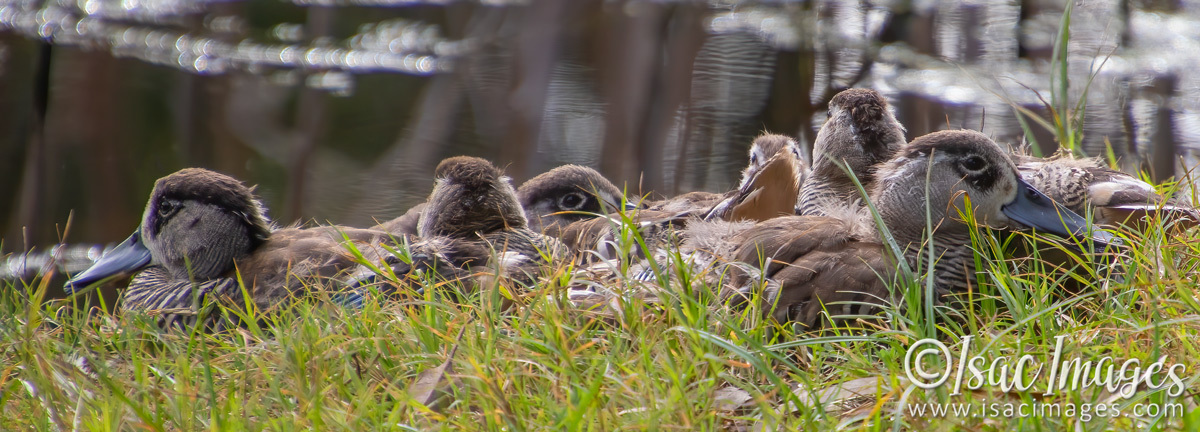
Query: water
[(339, 110)]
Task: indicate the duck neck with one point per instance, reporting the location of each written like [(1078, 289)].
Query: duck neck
[(953, 260), (821, 192)]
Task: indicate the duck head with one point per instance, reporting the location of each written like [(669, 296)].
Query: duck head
[(948, 169), (195, 225), (470, 196), (567, 194), (770, 184), (763, 151), (861, 132)]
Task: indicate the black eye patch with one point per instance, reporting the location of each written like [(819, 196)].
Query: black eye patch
[(164, 210), (982, 179), (974, 163)]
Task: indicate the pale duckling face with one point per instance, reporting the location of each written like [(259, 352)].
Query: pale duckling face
[(764, 148), (958, 167), (196, 224)]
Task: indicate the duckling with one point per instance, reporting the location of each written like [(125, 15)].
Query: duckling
[(200, 231), (819, 263), (473, 221), (770, 184), (567, 194), (861, 133), (769, 187), (762, 150), (551, 200)]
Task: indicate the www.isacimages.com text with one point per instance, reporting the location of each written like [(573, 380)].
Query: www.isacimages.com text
[(1082, 411)]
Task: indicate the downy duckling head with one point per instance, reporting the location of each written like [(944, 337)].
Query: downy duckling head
[(763, 150), (770, 185), (470, 195), (861, 132)]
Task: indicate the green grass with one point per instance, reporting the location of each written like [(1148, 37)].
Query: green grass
[(682, 362), (685, 361)]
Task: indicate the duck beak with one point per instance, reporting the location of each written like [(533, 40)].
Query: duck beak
[(129, 256), (1034, 209)]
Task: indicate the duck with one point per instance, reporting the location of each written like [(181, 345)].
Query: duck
[(840, 263), (769, 187), (474, 231), (1113, 197), (201, 232), (860, 134), (762, 149), (551, 201), (568, 193)]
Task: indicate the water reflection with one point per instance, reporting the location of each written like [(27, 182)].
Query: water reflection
[(143, 30), (339, 111)]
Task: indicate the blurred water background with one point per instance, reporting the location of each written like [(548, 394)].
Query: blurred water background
[(339, 109)]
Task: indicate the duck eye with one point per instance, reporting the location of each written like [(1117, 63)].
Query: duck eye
[(974, 163), (571, 201), (167, 207)]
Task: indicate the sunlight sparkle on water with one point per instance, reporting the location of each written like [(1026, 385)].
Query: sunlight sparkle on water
[(153, 31)]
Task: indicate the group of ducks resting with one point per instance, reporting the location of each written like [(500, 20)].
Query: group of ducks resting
[(798, 238)]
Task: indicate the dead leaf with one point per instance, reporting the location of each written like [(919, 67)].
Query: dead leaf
[(730, 398), (434, 388), (845, 396)]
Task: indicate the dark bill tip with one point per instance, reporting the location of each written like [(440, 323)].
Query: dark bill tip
[(129, 256), (1034, 209)]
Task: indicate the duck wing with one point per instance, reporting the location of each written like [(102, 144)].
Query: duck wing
[(812, 265)]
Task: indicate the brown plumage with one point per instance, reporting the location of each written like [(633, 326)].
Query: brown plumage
[(861, 131), (1114, 197), (598, 238), (770, 185), (814, 264), (686, 202), (474, 229), (201, 230), (769, 188), (551, 200)]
